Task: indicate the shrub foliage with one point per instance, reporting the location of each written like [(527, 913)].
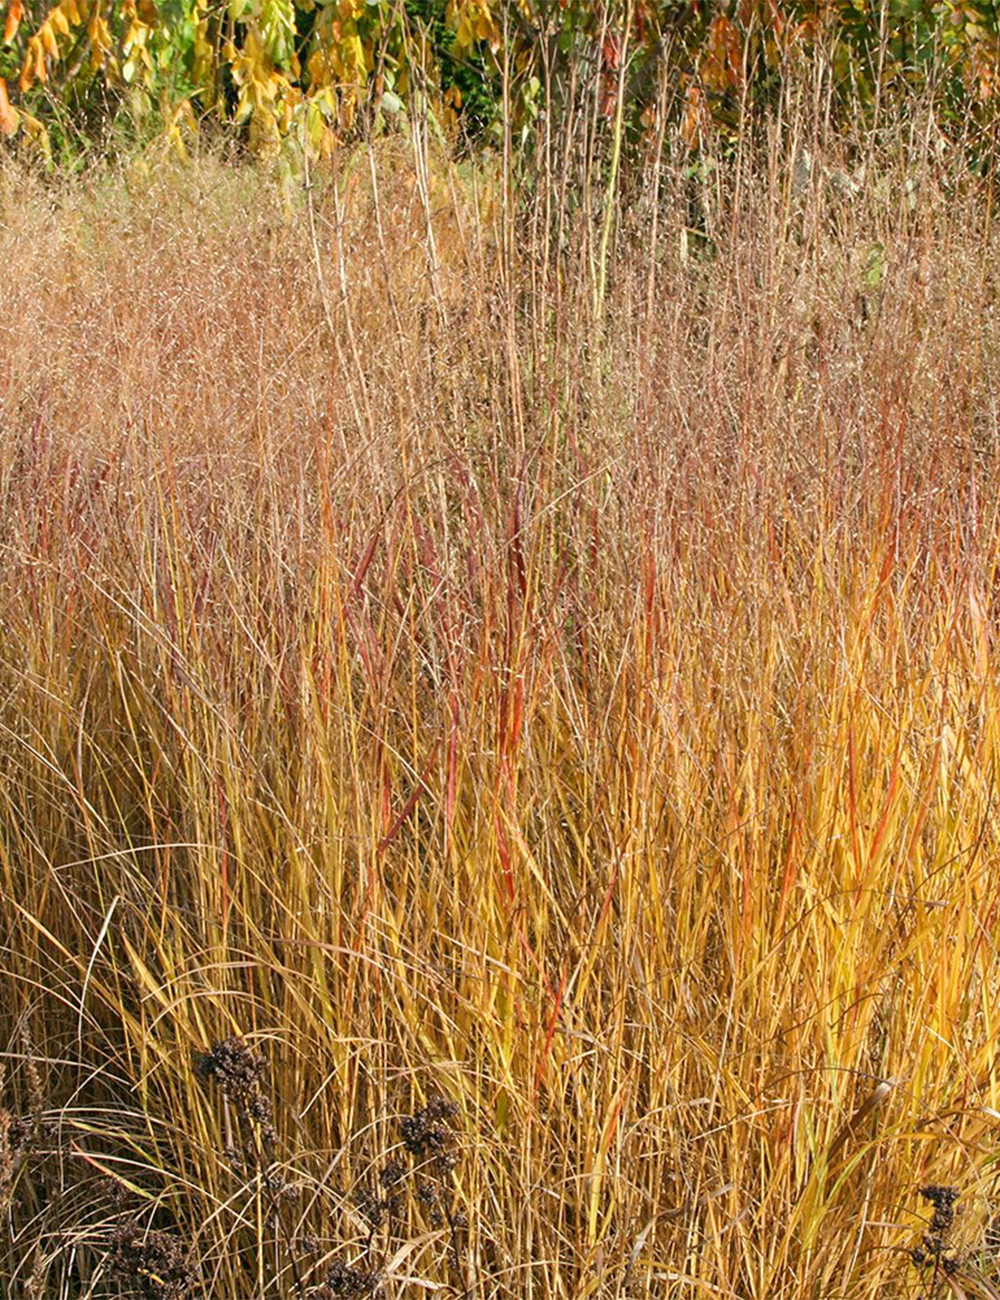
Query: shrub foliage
[(313, 72)]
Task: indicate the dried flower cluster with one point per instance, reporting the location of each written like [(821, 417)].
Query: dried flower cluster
[(240, 1072), (932, 1253), (15, 1139), (427, 1132), (345, 1283), (428, 1141), (376, 1209), (422, 1168), (428, 1137), (153, 1264), (19, 1134), (236, 1068)]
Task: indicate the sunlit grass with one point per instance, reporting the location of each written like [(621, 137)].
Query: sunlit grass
[(598, 729)]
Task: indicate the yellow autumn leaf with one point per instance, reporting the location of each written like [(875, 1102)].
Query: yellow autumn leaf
[(14, 11), (352, 57), (135, 37), (181, 123), (488, 31), (34, 65), (38, 133), (100, 36), (100, 40), (265, 139), (253, 52), (9, 118), (318, 69), (315, 126), (464, 36), (47, 37), (176, 142)]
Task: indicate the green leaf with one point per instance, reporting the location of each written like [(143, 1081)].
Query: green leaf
[(875, 270)]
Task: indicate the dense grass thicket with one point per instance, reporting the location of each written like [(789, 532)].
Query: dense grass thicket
[(498, 769)]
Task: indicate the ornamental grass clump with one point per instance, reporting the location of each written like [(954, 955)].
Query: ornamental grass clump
[(421, 682)]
